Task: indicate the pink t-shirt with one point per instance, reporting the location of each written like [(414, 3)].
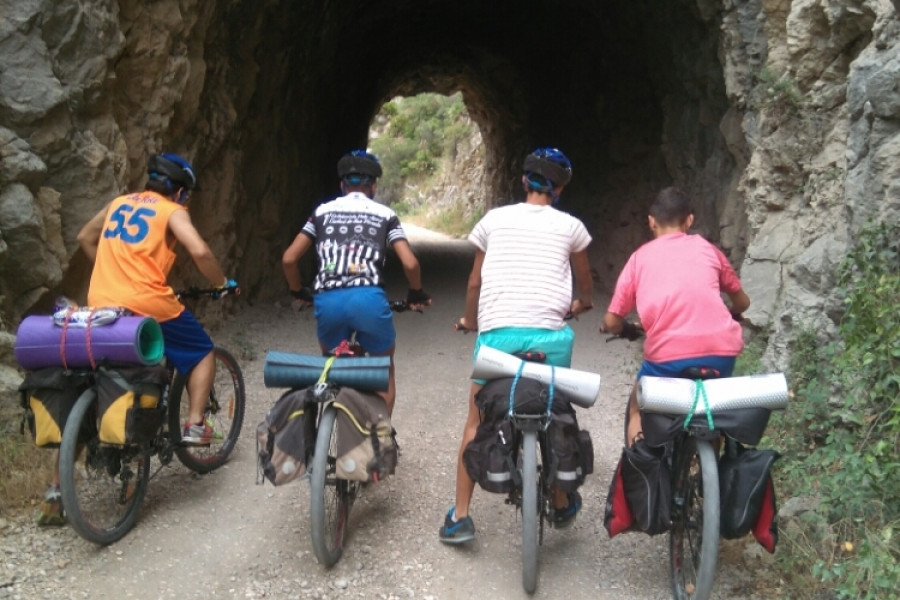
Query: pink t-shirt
[(676, 283)]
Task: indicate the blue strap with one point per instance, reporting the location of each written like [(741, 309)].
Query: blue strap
[(512, 389), (552, 386)]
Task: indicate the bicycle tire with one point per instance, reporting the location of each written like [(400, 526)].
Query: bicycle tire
[(694, 537), (225, 411), (102, 486), (330, 498), (530, 511)]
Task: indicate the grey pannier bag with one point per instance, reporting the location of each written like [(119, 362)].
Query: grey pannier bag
[(285, 439), (366, 444)]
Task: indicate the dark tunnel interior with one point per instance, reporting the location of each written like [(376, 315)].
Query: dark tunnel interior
[(633, 92)]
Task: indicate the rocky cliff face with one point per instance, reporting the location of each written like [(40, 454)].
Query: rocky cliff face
[(781, 117)]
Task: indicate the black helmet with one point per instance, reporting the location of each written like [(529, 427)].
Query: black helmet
[(552, 165), (358, 167), (174, 168)]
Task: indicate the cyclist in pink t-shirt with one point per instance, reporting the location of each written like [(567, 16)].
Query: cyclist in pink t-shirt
[(676, 282)]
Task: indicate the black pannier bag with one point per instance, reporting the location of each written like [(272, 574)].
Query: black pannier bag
[(489, 458), (47, 395), (745, 425), (748, 494), (571, 452), (128, 402), (286, 437), (640, 494)]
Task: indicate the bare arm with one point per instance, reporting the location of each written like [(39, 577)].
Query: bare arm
[(584, 285), (740, 301), (89, 236), (473, 292), (612, 323), (410, 264), (291, 258), (184, 231)]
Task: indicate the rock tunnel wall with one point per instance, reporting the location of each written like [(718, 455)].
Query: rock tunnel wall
[(780, 118)]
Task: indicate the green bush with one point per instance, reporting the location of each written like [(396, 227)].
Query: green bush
[(842, 436), (413, 136)]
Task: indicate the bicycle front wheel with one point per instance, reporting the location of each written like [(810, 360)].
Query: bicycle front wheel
[(102, 485), (694, 537), (530, 511), (224, 412), (330, 498)]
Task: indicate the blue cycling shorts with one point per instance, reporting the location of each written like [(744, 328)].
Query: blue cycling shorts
[(364, 309), (186, 342), (555, 343), (723, 364)]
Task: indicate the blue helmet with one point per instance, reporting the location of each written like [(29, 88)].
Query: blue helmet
[(359, 167), (547, 168), (173, 168)]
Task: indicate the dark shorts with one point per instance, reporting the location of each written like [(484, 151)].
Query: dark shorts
[(363, 309), (187, 343), (723, 364)]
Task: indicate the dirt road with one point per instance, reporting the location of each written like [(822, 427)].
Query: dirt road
[(222, 536)]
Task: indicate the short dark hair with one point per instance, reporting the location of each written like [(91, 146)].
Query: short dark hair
[(160, 186), (671, 207)]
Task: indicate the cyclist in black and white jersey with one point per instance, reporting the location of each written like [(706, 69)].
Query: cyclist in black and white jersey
[(351, 235)]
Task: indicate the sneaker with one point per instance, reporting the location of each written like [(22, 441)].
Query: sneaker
[(200, 435), (564, 517), (456, 532), (50, 512)]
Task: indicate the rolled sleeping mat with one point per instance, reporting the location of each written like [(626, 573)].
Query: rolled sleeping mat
[(127, 340), (580, 387), (289, 370), (673, 395)]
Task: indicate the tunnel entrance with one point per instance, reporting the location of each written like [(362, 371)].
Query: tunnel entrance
[(433, 160), (632, 92)]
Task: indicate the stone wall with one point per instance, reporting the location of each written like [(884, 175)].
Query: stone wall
[(780, 117)]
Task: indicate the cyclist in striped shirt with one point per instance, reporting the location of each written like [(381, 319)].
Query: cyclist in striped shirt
[(519, 294)]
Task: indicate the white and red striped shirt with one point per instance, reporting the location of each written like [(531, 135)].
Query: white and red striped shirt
[(526, 278)]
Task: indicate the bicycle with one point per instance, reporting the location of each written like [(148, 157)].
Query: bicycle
[(104, 485), (332, 497), (693, 447), (530, 407)]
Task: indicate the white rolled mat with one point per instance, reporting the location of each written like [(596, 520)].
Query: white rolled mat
[(673, 395), (581, 387)]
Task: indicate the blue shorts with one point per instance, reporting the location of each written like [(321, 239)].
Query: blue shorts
[(186, 342), (363, 309), (555, 343), (672, 368)]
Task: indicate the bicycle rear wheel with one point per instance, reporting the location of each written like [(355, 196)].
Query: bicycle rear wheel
[(530, 511), (330, 498), (694, 537), (102, 485), (224, 412)]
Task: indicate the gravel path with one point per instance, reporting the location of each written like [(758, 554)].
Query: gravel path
[(222, 536)]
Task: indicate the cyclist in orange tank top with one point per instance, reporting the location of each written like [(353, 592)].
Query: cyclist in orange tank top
[(132, 242)]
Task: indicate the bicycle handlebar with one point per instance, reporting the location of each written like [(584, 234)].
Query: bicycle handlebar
[(630, 331), (458, 326), (403, 306), (194, 292)]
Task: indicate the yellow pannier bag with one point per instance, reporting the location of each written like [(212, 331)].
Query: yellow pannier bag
[(47, 395), (128, 403)]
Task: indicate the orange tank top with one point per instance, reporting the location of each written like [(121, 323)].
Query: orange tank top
[(134, 257)]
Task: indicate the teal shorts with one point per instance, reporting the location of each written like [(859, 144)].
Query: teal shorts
[(555, 343)]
